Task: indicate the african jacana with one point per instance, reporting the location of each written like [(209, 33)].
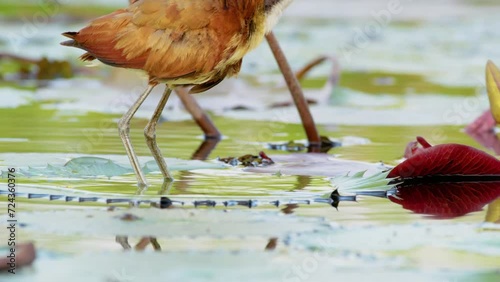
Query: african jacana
[(177, 42), (292, 82)]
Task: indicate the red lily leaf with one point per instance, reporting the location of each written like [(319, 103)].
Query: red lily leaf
[(446, 160), (446, 199)]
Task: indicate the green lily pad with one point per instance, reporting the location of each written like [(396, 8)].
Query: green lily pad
[(171, 223), (91, 166)]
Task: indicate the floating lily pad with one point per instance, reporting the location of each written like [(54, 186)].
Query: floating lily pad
[(220, 266), (317, 165), (90, 166), (171, 223), (463, 237)]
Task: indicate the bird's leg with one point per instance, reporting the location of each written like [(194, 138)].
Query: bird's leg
[(150, 134), (124, 130), (123, 241), (165, 188), (155, 244), (199, 116), (295, 90)]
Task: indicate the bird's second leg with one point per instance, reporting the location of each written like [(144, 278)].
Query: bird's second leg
[(150, 134), (123, 241), (124, 130)]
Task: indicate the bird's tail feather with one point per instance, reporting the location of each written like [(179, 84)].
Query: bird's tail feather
[(72, 42)]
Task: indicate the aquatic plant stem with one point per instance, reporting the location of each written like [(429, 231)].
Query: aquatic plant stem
[(296, 91), (199, 116)]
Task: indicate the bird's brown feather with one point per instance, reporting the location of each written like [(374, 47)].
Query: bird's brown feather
[(190, 41)]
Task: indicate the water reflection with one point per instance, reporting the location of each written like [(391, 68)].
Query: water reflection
[(446, 199), (201, 153), (324, 147), (144, 242), (302, 182), (139, 246), (441, 200), (186, 178), (205, 148)]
